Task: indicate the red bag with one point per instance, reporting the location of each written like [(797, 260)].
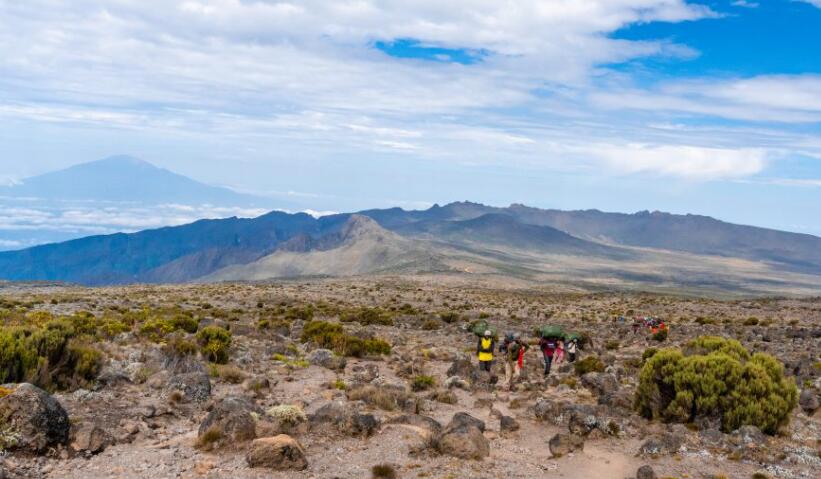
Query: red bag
[(521, 360)]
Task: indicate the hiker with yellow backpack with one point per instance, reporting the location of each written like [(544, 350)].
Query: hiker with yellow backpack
[(484, 349)]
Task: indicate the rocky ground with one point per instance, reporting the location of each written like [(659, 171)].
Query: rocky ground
[(282, 407)]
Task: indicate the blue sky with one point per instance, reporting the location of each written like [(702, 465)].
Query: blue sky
[(623, 105)]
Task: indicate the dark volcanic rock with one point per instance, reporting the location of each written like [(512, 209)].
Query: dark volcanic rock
[(233, 418), (34, 417), (562, 444), (279, 453)]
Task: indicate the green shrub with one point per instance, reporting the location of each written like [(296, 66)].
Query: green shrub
[(377, 346), (422, 382), (332, 336), (716, 378), (751, 321), (588, 365), (86, 360), (322, 333), (179, 346), (304, 313), (51, 356), (383, 471), (648, 353), (214, 343), (368, 316), (449, 317)]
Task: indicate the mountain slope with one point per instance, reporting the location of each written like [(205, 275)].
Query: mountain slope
[(467, 237), (688, 233), (127, 258), (501, 230), (361, 247)]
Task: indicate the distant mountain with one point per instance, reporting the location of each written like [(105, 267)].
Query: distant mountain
[(120, 193), (126, 179), (530, 244)]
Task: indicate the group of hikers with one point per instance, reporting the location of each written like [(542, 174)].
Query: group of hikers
[(555, 348), (654, 325)]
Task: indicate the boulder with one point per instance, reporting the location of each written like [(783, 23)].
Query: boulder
[(463, 438), (327, 359), (562, 444), (233, 417), (602, 384), (176, 363), (464, 419), (456, 382), (547, 410), (91, 438), (667, 443), (416, 420), (365, 373), (461, 367), (345, 419), (582, 422), (33, 418), (645, 472), (749, 436), (280, 452), (621, 398), (194, 386), (808, 400)]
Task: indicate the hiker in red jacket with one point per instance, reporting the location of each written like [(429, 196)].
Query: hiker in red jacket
[(548, 347)]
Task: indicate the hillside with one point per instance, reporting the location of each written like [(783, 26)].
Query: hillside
[(582, 248), (361, 247)]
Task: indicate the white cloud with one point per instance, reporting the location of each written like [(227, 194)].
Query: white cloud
[(691, 162), (816, 3), (779, 98), (303, 78)]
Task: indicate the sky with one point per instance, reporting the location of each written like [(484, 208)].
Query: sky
[(708, 107)]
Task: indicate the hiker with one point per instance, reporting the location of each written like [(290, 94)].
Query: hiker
[(548, 347), (572, 348), (514, 350), (558, 357), (484, 349)]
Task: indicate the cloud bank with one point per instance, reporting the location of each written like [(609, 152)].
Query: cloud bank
[(309, 77)]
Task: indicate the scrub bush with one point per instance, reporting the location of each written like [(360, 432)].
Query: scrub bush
[(214, 343), (588, 365), (332, 336), (716, 379), (368, 316), (52, 356)]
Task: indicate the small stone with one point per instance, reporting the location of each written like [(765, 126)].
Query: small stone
[(508, 424), (563, 444)]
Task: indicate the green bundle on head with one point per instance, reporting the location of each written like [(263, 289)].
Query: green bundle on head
[(551, 331), (479, 327)]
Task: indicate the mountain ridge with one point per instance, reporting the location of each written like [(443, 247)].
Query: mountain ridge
[(461, 236)]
